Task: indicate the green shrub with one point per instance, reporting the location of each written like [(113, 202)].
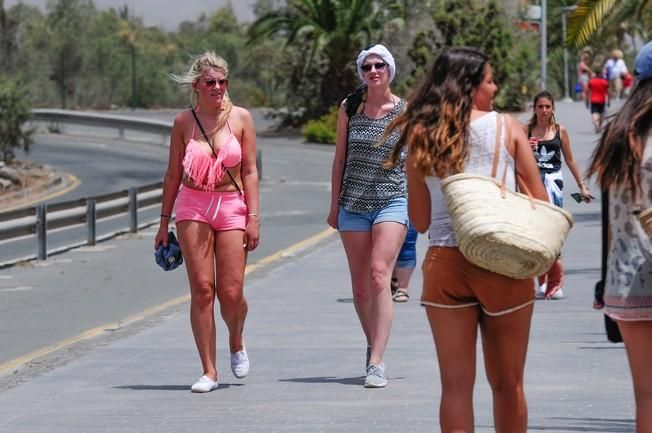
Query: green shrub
[(14, 112), (322, 130)]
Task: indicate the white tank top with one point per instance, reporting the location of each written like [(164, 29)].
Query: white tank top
[(482, 138)]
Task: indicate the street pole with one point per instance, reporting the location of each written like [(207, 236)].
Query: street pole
[(544, 44), (564, 13)]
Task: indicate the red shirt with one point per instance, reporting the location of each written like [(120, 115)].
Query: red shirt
[(599, 87)]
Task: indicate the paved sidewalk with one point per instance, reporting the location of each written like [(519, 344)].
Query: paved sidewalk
[(307, 364), (307, 354)]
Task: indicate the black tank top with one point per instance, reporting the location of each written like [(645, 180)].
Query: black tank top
[(548, 153)]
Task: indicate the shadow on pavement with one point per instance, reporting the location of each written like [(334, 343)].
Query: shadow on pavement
[(185, 388)]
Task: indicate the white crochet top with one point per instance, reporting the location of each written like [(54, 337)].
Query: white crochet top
[(482, 139)]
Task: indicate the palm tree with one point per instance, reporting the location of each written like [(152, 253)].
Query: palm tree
[(591, 15), (332, 32)]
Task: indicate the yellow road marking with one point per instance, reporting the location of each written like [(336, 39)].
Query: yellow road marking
[(72, 180), (14, 363)]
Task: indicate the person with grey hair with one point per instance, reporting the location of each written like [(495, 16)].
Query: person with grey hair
[(369, 201), (213, 160)]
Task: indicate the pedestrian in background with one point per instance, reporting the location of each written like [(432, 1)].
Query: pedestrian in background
[(615, 70), (622, 164), (368, 202), (584, 74), (450, 127), (599, 97), (550, 141), (213, 160), (405, 264)]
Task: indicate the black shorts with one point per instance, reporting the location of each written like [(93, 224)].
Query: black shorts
[(597, 108)]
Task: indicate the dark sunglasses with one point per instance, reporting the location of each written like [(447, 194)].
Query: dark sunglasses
[(212, 82), (380, 66)]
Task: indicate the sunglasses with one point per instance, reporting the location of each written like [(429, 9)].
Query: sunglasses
[(380, 66), (212, 82)]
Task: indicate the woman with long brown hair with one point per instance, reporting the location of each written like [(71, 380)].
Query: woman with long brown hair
[(450, 127), (550, 142), (622, 164)]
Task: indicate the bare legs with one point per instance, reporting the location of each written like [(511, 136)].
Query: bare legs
[(637, 336), (504, 341), (371, 257), (200, 243)]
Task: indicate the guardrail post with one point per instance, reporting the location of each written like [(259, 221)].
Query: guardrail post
[(90, 220), (41, 231), (133, 210), (121, 133), (259, 163)]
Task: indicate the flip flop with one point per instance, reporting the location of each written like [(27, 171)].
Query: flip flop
[(400, 296)]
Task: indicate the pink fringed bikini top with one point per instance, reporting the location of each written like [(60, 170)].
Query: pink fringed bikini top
[(206, 169)]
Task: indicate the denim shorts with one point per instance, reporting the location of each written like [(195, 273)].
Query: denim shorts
[(407, 257), (395, 211)]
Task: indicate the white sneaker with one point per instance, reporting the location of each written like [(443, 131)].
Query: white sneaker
[(540, 291), (559, 294), (375, 376), (204, 384), (240, 363)]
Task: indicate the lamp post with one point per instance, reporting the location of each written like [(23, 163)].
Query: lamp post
[(564, 13), (544, 44)]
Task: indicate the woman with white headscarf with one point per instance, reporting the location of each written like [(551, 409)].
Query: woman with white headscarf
[(369, 201)]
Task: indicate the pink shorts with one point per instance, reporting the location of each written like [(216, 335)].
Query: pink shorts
[(221, 210)]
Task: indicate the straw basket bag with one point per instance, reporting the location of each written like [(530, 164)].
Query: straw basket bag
[(503, 231), (645, 218)]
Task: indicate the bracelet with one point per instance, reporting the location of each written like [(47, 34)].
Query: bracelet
[(254, 214), (165, 216)]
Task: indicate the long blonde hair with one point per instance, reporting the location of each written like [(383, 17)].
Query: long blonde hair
[(201, 63)]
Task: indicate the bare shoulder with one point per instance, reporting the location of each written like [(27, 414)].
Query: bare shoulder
[(183, 119), (241, 114)]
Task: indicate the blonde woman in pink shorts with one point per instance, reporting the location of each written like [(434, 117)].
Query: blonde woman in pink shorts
[(213, 181)]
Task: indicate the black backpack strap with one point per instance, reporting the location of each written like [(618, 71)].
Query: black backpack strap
[(208, 140)]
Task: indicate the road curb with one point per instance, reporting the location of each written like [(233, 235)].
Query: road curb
[(57, 183)]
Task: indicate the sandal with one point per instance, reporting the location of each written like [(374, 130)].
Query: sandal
[(393, 285), (400, 296)]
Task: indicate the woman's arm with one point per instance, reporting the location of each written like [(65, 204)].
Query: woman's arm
[(172, 178), (249, 175), (526, 167), (572, 165), (418, 196), (339, 161)]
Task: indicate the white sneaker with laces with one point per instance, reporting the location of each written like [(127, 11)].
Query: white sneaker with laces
[(204, 384), (240, 363)]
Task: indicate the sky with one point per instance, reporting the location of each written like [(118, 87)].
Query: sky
[(164, 13)]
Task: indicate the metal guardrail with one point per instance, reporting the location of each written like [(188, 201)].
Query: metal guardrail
[(41, 218), (57, 118)]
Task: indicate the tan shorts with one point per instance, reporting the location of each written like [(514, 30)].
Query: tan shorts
[(451, 281)]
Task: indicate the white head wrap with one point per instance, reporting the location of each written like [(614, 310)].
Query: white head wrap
[(383, 53)]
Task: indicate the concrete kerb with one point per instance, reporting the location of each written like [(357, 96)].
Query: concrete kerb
[(57, 183)]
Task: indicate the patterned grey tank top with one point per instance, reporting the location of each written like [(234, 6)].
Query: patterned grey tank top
[(367, 186)]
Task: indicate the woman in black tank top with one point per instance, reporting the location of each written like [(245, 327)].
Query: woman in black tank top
[(549, 141)]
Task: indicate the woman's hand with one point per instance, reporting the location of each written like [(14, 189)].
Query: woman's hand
[(332, 217), (252, 233), (161, 236), (586, 194)]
